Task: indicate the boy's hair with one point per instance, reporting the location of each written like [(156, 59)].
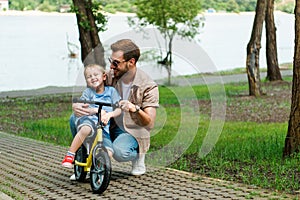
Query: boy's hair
[(129, 48), (94, 65)]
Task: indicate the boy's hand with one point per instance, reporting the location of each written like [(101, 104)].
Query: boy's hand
[(106, 117)]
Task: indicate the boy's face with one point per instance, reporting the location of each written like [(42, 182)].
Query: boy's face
[(94, 77)]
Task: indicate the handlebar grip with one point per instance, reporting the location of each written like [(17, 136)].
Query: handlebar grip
[(78, 100)]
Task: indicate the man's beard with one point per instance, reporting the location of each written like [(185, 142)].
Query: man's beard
[(120, 73)]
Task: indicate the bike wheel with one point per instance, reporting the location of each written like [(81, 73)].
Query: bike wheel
[(100, 171), (81, 156)]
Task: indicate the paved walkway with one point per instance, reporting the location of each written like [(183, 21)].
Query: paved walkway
[(31, 170)]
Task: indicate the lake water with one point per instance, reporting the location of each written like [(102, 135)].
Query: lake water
[(34, 53)]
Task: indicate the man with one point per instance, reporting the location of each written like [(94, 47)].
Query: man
[(130, 132)]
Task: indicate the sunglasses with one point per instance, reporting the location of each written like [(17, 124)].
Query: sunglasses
[(115, 63)]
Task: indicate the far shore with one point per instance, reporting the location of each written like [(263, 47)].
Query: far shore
[(31, 13), (40, 13)]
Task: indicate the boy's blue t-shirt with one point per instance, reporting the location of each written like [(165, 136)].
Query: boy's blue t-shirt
[(110, 95)]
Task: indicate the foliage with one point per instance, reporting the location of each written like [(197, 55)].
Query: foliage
[(46, 7), (230, 5), (42, 5), (114, 6), (23, 5), (171, 18), (100, 18), (288, 7)]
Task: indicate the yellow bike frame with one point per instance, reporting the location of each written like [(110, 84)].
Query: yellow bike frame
[(87, 165)]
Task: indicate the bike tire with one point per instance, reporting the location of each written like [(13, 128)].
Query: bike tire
[(100, 173), (81, 156)]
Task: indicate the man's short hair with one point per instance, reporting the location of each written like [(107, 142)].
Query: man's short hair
[(128, 47)]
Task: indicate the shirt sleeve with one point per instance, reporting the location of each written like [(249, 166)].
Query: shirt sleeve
[(151, 97), (86, 94), (89, 95)]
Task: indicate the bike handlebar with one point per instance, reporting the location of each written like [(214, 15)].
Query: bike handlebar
[(78, 100)]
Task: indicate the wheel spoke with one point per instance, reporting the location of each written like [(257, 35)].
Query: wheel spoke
[(98, 172)]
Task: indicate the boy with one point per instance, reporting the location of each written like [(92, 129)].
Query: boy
[(95, 91)]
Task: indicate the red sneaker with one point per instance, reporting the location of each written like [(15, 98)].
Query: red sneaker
[(68, 161)]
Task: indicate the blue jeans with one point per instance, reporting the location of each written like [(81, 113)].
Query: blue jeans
[(125, 146)]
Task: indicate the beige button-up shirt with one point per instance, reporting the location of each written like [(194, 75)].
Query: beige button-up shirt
[(144, 93)]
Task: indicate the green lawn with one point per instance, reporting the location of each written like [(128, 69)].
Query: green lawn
[(185, 137)]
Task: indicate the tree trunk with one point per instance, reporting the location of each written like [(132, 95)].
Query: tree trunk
[(273, 72), (253, 49), (292, 140), (92, 51), (169, 66)]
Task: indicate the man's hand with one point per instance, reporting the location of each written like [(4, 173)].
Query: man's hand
[(127, 106), (81, 109), (146, 115)]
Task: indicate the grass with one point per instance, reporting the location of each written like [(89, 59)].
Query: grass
[(241, 151), (55, 129), (288, 66), (246, 152), (44, 118)]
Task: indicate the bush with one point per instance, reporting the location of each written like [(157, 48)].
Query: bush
[(46, 7), (288, 7)]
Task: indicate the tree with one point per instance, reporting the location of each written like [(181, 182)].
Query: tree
[(292, 140), (253, 49), (248, 5), (232, 6), (171, 18), (273, 71), (90, 21)]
